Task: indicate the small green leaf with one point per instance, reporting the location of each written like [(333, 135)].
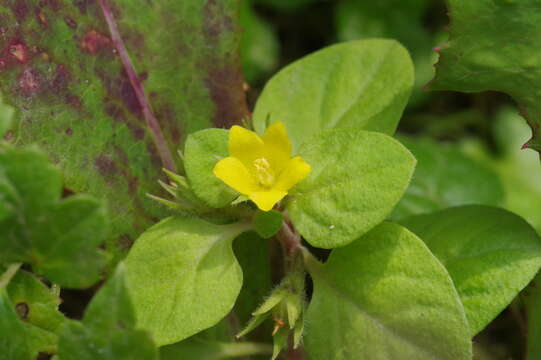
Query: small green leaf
[(202, 151), (385, 297), (268, 223), (491, 254), (357, 178), (59, 238), (18, 340), (183, 276), (360, 83), (445, 177), (107, 330), (39, 302)]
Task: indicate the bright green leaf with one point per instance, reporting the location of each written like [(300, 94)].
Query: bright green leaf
[(59, 238), (445, 177), (491, 254), (385, 297), (491, 47), (202, 151), (357, 178), (183, 276), (365, 84), (62, 69), (107, 330)]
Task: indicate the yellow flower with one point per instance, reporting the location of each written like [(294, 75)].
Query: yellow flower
[(261, 167)]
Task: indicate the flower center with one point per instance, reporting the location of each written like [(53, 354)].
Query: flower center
[(263, 172)]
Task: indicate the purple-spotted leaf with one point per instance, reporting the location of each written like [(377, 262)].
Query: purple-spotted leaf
[(110, 88)]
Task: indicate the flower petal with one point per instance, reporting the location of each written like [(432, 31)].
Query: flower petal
[(296, 170), (277, 146), (265, 200), (233, 172), (245, 145)]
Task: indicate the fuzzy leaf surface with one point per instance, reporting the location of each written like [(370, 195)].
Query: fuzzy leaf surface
[(357, 178), (183, 276), (385, 297), (364, 83), (60, 66), (490, 253)]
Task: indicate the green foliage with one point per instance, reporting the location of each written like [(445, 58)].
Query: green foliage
[(202, 150), (59, 238), (183, 276), (491, 254), (363, 84), (38, 302), (65, 70), (107, 331), (445, 177), (211, 350), (357, 178), (385, 296), (19, 340), (491, 47), (268, 223)]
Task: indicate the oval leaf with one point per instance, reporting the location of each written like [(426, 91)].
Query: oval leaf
[(385, 297), (491, 254), (202, 151), (183, 276), (357, 178), (360, 83)]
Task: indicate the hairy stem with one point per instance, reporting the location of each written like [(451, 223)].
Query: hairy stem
[(9, 274), (150, 118)]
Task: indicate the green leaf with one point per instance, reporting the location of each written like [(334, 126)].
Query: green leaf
[(38, 302), (491, 47), (59, 238), (183, 276), (61, 65), (365, 84), (490, 253), (445, 177), (107, 330), (202, 151), (19, 340), (357, 178), (268, 223), (385, 297)]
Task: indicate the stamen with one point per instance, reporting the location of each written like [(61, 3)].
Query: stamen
[(263, 172)]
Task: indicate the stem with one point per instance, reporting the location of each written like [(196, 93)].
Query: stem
[(290, 239), (9, 274), (150, 118), (245, 349)]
